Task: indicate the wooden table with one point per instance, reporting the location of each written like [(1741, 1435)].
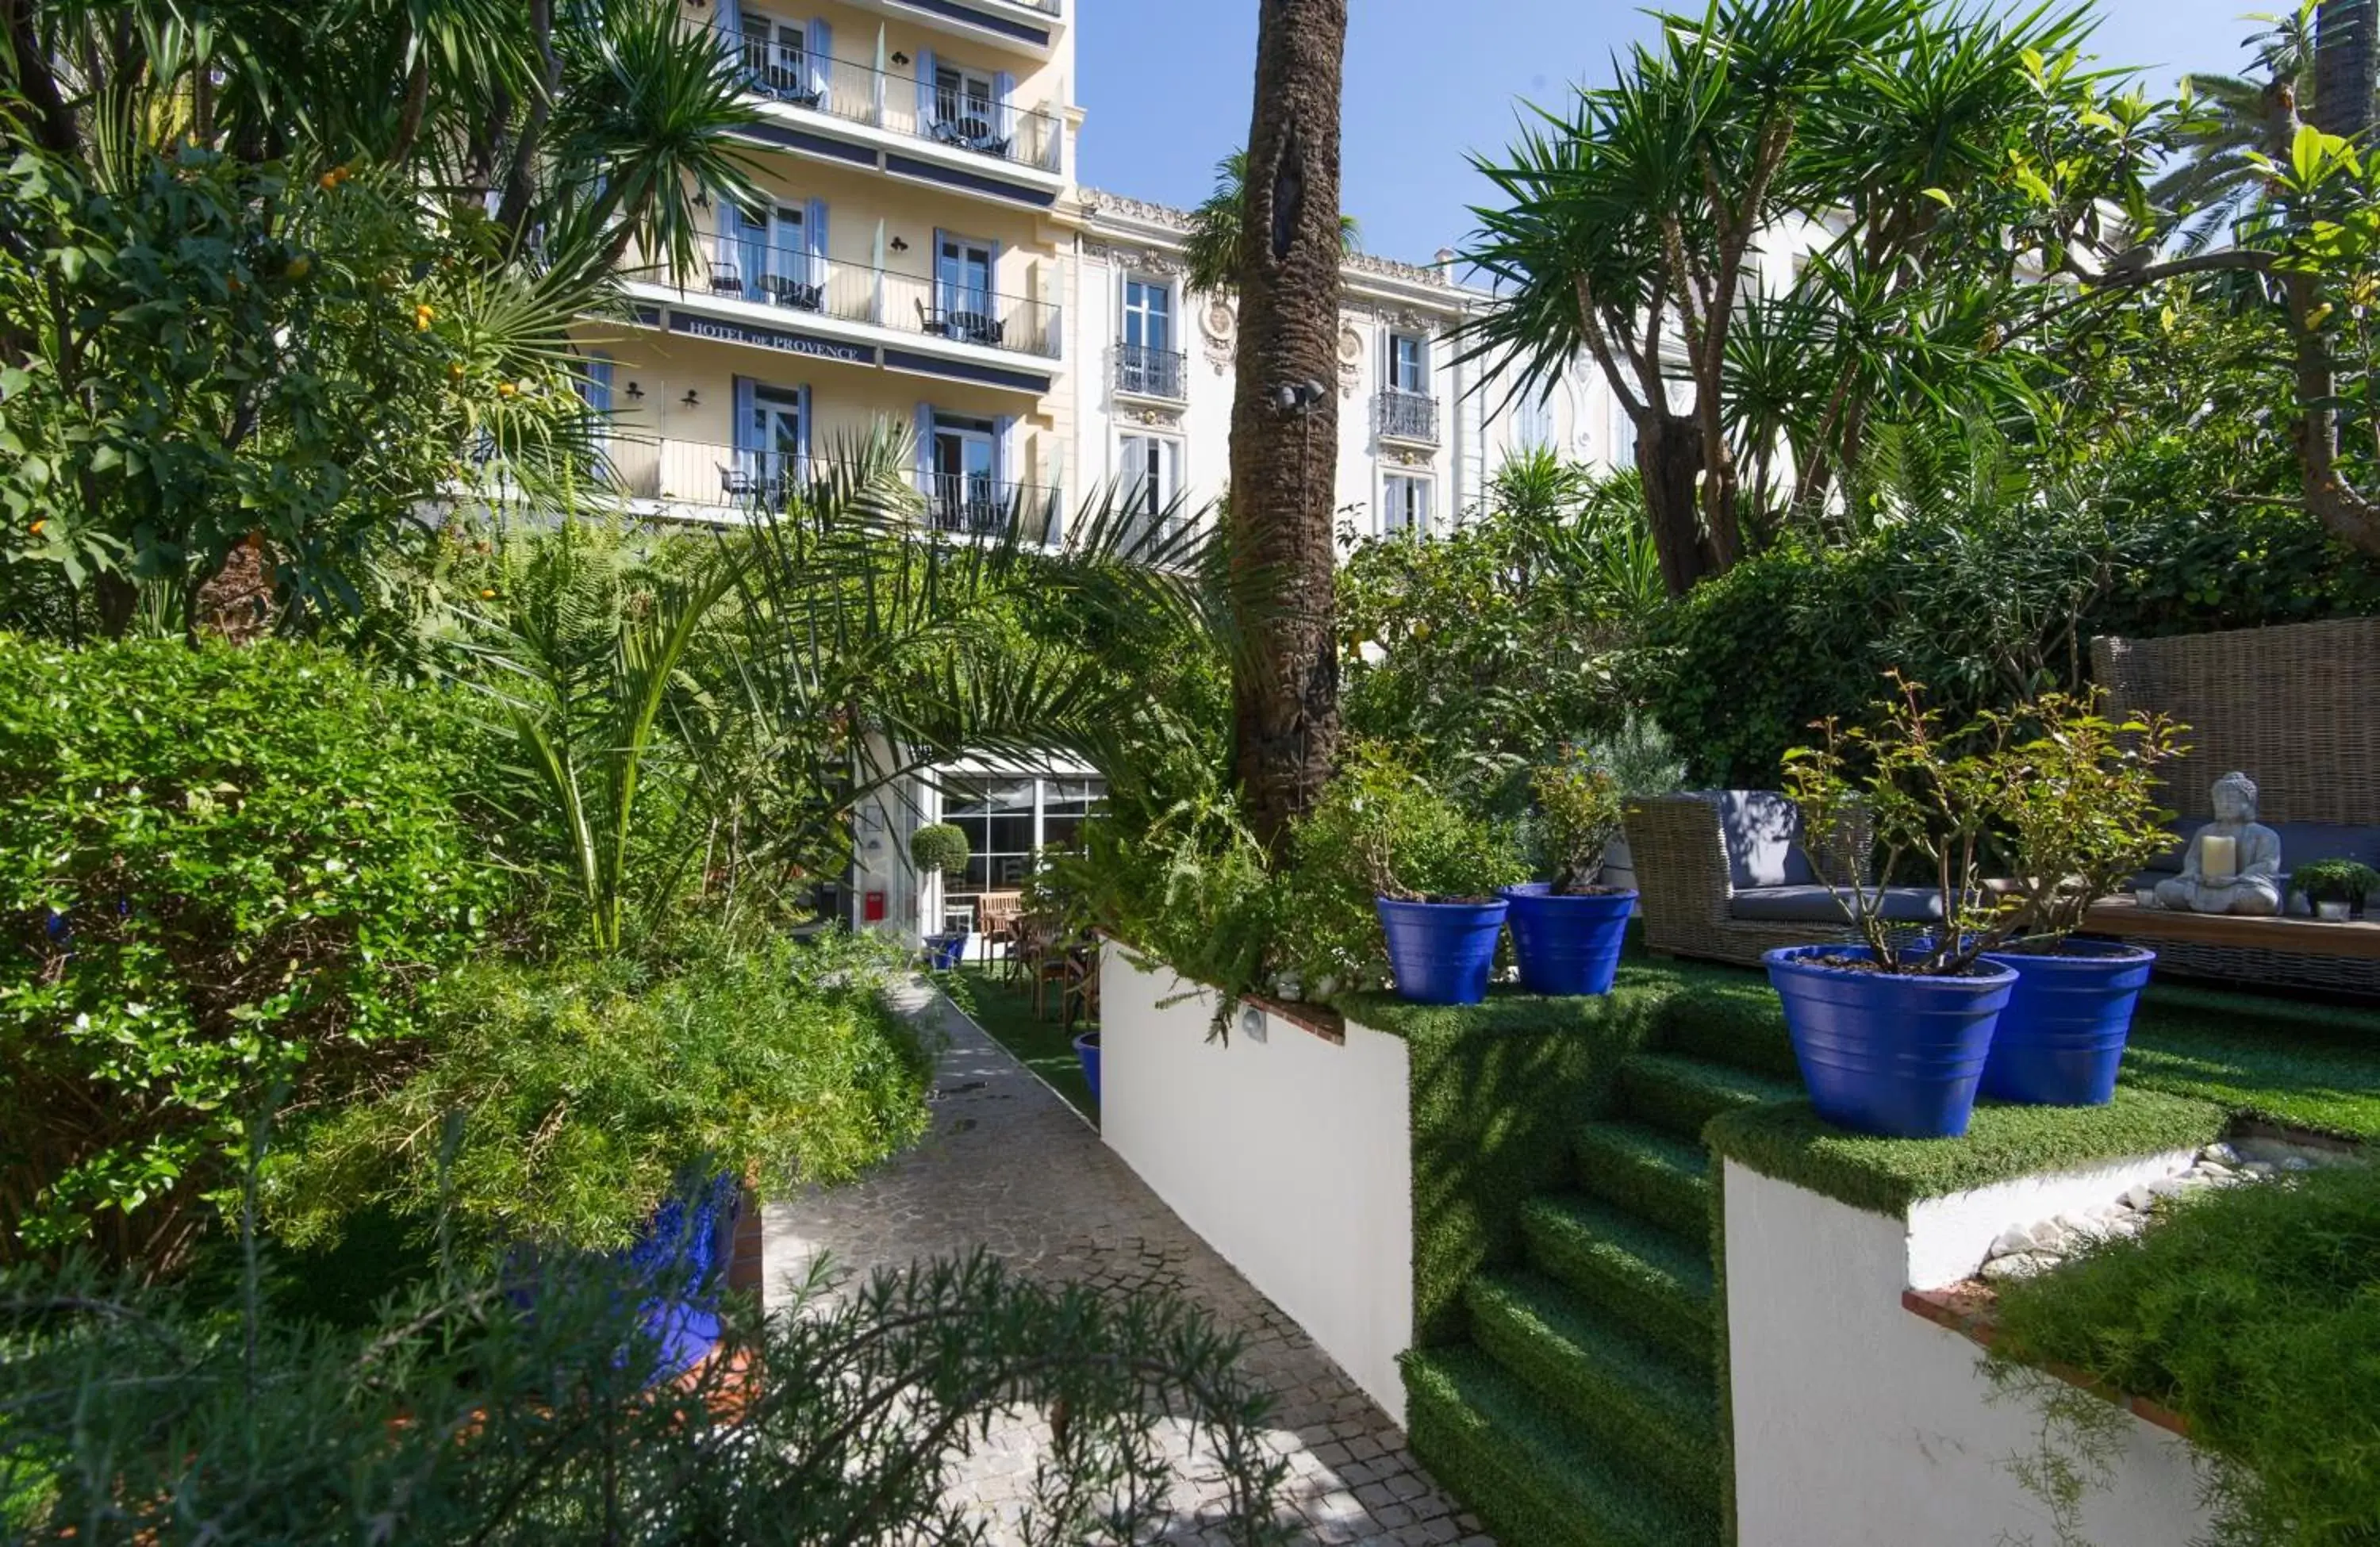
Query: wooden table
[(2306, 937)]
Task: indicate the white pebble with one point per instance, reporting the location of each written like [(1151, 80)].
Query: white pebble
[(2023, 1264)]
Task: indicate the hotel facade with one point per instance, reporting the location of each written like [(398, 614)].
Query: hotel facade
[(922, 254)]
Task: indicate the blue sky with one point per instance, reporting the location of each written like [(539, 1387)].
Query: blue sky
[(1167, 90)]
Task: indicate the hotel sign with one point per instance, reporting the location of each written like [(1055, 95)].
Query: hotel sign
[(770, 339)]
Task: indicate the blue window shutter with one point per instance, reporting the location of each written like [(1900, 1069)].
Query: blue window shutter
[(924, 90), (755, 260), (814, 227), (728, 20), (926, 449), (1003, 91), (725, 229), (1004, 450), (821, 59), (747, 431), (595, 384), (809, 436)]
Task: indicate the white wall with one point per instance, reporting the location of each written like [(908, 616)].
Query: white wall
[(1291, 1155), (1860, 1424)]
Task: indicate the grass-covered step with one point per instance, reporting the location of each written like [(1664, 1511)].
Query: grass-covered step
[(1653, 1175), (1654, 1281), (1636, 1398), (1681, 1094), (1534, 1477), (1738, 1023)]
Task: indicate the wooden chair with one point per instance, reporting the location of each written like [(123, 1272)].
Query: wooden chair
[(1081, 987)]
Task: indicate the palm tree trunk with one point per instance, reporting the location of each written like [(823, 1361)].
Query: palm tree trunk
[(2343, 65), (1285, 455), (1670, 459)]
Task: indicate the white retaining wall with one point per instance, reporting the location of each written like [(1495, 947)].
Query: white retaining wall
[(1289, 1153), (1858, 1423)]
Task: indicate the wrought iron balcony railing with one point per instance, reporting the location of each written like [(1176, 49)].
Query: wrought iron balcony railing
[(783, 71), (701, 480), (1145, 372), (801, 281), (1406, 416)]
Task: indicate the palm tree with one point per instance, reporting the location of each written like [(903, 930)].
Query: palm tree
[(2218, 183), (1213, 247), (2344, 61), (1285, 418)]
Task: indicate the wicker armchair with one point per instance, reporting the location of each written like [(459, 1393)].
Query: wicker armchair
[(1686, 888)]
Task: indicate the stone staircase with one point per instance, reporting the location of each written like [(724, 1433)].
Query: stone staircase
[(1584, 1411)]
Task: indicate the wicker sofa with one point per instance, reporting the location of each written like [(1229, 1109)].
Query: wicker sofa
[(1728, 874), (2298, 709)]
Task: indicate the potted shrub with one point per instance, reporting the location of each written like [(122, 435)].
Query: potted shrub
[(2076, 806), (1430, 870), (1891, 1034), (2337, 889), (940, 850), (1567, 931)]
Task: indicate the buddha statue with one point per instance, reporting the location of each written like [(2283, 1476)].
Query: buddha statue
[(2233, 865)]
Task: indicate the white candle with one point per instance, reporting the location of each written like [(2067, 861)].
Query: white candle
[(2218, 857)]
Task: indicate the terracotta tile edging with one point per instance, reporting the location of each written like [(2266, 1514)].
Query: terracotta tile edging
[(1966, 1309)]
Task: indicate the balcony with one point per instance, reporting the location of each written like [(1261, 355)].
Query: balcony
[(1406, 416), (700, 481), (1138, 370), (798, 282), (845, 89)]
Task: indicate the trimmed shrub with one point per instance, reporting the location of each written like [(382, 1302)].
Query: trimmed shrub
[(939, 848), (223, 874)]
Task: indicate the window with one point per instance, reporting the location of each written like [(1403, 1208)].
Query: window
[(964, 101), (1533, 418), (962, 271), (1408, 363), (1150, 473), (768, 444), (966, 495), (1405, 503), (1009, 819), (776, 58), (1148, 314)]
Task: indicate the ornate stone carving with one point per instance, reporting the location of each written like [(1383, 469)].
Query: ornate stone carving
[(1388, 268), (1095, 201), (1218, 322), (1351, 360), (1408, 457), (1161, 419)]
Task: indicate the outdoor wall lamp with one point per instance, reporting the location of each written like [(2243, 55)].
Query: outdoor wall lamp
[(900, 58), (899, 245), (636, 393), (692, 399), (1299, 397)]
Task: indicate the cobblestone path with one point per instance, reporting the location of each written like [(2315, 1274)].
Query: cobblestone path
[(1010, 1168)]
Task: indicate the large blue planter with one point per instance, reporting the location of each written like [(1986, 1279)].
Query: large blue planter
[(1894, 1054), (1086, 1048), (1441, 953), (2061, 1038), (944, 952), (682, 1254), (1567, 944)]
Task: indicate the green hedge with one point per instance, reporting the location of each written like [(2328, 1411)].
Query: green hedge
[(222, 872)]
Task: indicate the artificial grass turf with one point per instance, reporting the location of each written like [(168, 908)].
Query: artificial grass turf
[(1654, 1175), (1532, 1475), (1885, 1175), (2302, 1066), (1005, 1011)]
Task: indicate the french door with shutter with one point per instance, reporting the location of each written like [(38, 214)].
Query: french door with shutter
[(965, 496)]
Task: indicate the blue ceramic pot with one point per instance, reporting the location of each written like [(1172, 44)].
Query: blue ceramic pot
[(943, 952), (1887, 1054), (1086, 1048), (2061, 1038), (1567, 944), (683, 1254), (1441, 953)]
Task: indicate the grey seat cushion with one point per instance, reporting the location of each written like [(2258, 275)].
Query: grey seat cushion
[(1762, 830), (1830, 905)]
